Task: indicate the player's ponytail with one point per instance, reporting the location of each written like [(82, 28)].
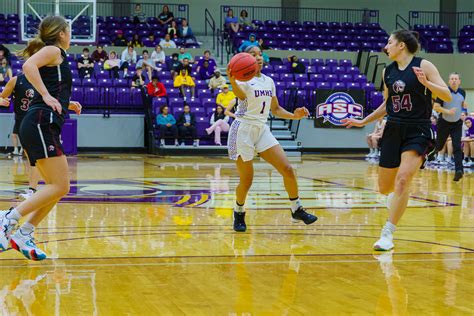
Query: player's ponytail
[(48, 34), (410, 38)]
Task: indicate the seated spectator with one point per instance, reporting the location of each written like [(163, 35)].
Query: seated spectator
[(138, 15), (185, 32), (217, 81), (138, 79), (206, 71), (165, 16), (183, 81), (187, 125), (231, 22), (129, 57), (155, 88), (468, 142), (373, 138), (158, 56), (244, 19), (167, 42), (263, 46), (174, 65), (219, 123), (183, 54), (251, 42), (166, 123), (225, 96), (85, 64), (99, 55), (113, 64), (120, 40), (135, 42), (147, 63), (4, 53), (151, 38), (207, 57), (185, 65), (173, 30), (5, 71), (296, 66)]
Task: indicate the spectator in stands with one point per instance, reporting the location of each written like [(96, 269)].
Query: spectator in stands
[(187, 125), (231, 22), (138, 79), (373, 139), (173, 29), (468, 142), (99, 55), (297, 67), (207, 57), (217, 81), (147, 63), (183, 54), (4, 53), (174, 65), (167, 42), (85, 64), (185, 65), (244, 19), (158, 56), (251, 42), (185, 32), (206, 71), (155, 88), (225, 96), (129, 57), (263, 46), (136, 41), (113, 64), (120, 40), (219, 123), (183, 81), (138, 15), (166, 123), (5, 70), (165, 16)]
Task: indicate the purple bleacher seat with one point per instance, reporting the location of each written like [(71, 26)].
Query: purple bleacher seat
[(157, 103), (173, 93), (175, 102), (121, 83), (104, 83), (317, 62), (308, 85), (338, 70), (123, 97), (76, 82), (77, 94), (352, 70), (353, 85), (208, 103), (301, 77), (102, 74), (293, 85), (89, 82), (324, 70), (91, 96), (137, 99), (376, 98), (345, 77), (331, 78), (323, 85), (286, 77), (316, 77)]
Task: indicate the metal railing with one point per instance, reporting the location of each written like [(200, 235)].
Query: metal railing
[(401, 23), (302, 14), (209, 21), (454, 20)]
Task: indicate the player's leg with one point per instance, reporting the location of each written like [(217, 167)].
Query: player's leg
[(456, 133), (245, 170), (278, 159)]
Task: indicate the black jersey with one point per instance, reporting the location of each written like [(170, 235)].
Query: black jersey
[(23, 95), (58, 82), (408, 100)]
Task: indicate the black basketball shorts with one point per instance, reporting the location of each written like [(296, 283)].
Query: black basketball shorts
[(399, 137), (16, 127), (40, 135)]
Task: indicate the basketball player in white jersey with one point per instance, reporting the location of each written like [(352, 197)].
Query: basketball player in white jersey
[(249, 134)]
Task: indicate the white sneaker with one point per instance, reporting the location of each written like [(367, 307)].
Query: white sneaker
[(466, 163), (25, 196), (162, 143), (6, 228), (15, 152), (369, 155), (385, 243), (25, 244), (196, 143), (21, 152)]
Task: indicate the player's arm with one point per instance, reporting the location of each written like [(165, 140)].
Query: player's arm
[(46, 56), (429, 76), (9, 87), (280, 112), (228, 109), (239, 93), (439, 108)]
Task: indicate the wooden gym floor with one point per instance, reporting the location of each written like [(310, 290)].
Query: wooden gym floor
[(144, 235)]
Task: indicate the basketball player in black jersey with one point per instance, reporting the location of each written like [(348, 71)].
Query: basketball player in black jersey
[(409, 84), (23, 93), (47, 69)]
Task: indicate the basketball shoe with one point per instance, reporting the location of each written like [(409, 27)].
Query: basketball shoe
[(239, 222), (7, 225), (385, 242), (301, 215), (25, 244)]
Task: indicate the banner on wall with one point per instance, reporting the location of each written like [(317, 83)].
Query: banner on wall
[(335, 105)]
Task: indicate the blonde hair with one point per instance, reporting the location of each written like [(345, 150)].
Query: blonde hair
[(48, 33)]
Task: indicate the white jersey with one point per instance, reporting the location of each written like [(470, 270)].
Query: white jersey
[(256, 106)]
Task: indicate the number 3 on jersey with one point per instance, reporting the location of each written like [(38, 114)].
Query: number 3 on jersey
[(401, 103)]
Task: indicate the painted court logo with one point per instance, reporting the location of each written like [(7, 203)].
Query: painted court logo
[(338, 106)]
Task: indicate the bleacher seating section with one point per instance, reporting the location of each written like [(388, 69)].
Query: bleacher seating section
[(435, 38), (466, 39)]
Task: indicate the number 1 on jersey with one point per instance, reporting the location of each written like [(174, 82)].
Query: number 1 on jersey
[(263, 108)]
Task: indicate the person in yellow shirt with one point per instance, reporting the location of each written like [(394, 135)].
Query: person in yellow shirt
[(225, 96), (183, 81)]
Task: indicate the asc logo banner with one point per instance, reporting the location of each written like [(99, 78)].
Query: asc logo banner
[(333, 106)]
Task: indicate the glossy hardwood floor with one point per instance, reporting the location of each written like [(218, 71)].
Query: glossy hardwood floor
[(146, 235)]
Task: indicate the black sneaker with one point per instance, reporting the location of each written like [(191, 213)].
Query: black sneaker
[(458, 175), (239, 222), (301, 215)]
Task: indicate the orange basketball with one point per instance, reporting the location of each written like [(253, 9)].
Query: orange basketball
[(243, 66)]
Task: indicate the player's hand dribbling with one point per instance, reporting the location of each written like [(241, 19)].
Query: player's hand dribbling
[(53, 103), (75, 106), (350, 122), (300, 113), (229, 75), (4, 102), (420, 74)]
